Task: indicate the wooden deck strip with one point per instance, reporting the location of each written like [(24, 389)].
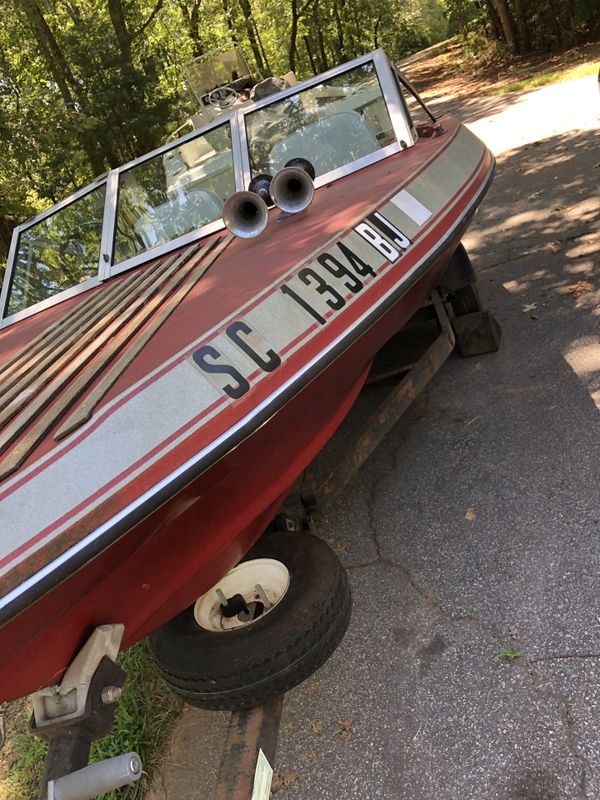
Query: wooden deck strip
[(41, 413), (85, 409), (68, 366), (58, 342), (39, 342), (118, 311)]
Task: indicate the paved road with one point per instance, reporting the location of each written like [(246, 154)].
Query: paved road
[(476, 525)]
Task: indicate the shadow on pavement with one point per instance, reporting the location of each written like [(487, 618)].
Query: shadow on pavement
[(537, 235)]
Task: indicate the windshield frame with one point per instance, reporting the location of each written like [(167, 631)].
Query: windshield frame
[(402, 127), (112, 195), (392, 97), (88, 283), (106, 266)]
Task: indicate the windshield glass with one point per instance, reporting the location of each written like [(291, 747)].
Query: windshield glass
[(331, 124), (203, 75), (58, 252), (174, 193)]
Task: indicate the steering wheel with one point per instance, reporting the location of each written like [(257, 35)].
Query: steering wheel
[(223, 97)]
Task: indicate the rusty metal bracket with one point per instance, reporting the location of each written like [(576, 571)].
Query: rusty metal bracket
[(249, 732), (391, 409)]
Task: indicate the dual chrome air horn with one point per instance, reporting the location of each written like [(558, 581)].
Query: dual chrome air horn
[(291, 189)]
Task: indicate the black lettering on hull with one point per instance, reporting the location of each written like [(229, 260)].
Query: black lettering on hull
[(235, 391)]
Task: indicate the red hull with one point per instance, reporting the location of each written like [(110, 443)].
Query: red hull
[(184, 546)]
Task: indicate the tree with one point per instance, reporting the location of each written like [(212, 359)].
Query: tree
[(508, 25)]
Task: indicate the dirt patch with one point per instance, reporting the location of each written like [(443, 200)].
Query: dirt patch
[(445, 71)]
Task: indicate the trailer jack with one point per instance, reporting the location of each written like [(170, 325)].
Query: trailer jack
[(72, 715)]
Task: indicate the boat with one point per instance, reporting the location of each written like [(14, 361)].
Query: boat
[(180, 338)]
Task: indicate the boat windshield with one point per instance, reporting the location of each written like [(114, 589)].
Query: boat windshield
[(57, 253), (228, 68), (174, 192), (340, 121), (331, 124)]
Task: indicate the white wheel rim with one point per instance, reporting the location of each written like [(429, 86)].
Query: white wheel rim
[(270, 575)]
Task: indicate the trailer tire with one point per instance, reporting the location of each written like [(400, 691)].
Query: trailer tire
[(243, 667)]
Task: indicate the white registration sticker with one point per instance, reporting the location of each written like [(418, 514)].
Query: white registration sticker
[(262, 778)]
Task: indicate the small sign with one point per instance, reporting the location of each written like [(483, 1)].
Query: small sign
[(262, 778)]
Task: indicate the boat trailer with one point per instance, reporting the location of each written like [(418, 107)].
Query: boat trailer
[(70, 716)]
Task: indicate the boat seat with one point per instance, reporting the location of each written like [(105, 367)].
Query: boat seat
[(328, 143), (185, 212), (196, 150)]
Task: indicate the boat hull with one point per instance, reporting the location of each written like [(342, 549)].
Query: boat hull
[(177, 546)]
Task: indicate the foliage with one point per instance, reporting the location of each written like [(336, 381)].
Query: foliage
[(569, 74), (144, 716), (518, 27)]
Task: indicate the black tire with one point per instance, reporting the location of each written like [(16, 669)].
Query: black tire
[(244, 667)]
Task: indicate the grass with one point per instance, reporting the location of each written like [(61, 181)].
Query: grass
[(509, 655), (568, 74), (145, 715)]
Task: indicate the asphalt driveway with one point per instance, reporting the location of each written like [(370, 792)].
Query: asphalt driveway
[(475, 528)]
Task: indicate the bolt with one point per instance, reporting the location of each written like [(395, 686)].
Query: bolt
[(110, 694), (263, 597), (135, 765), (222, 599)]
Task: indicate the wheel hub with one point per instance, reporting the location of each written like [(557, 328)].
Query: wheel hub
[(247, 593)]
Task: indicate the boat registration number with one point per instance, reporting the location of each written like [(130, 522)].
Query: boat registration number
[(329, 283)]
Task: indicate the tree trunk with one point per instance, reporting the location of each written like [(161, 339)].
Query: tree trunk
[(340, 43), (53, 55), (247, 12), (492, 15), (522, 27), (508, 26), (310, 55), (192, 23), (293, 35), (297, 14), (229, 22), (321, 42), (115, 11), (6, 229), (376, 32), (262, 50), (132, 79)]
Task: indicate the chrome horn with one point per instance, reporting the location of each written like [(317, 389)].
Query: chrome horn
[(245, 214), (260, 185), (292, 189)]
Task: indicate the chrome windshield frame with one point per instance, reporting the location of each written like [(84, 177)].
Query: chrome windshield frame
[(401, 125), (405, 135), (84, 286), (181, 241)]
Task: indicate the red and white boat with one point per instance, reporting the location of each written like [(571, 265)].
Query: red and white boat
[(164, 382)]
